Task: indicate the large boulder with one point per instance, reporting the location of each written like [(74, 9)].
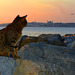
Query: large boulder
[(27, 67), (21, 40), (40, 59), (7, 66), (54, 60), (69, 38), (23, 37), (31, 39), (54, 39), (72, 45), (68, 35)]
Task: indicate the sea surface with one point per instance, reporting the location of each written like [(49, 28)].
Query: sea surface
[(35, 31)]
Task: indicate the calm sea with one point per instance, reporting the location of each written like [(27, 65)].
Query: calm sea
[(35, 31)]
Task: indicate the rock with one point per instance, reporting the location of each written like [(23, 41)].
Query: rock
[(69, 38), (72, 45), (54, 39), (7, 66), (43, 51), (47, 59), (22, 38), (26, 67), (31, 39), (68, 35), (40, 59)]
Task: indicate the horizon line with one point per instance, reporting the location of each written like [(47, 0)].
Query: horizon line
[(44, 22)]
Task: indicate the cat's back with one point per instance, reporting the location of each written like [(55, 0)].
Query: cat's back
[(2, 31)]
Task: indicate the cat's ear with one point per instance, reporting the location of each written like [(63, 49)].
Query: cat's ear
[(24, 16), (17, 17)]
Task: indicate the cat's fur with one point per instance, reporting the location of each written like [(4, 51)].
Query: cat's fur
[(10, 36)]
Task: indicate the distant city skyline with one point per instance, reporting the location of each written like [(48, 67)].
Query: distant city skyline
[(48, 24), (39, 10)]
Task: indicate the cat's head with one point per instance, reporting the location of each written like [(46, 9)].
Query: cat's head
[(21, 20)]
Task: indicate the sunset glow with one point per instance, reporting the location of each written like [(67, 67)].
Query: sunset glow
[(39, 10)]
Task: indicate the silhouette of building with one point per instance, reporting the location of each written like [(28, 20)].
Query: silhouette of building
[(50, 23)]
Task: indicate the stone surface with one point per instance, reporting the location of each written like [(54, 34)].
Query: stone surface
[(21, 40), (69, 38), (27, 67), (7, 66), (54, 39), (68, 35), (72, 45), (40, 58), (31, 39), (54, 60)]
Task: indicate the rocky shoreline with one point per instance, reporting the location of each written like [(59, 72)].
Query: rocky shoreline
[(54, 39), (47, 54)]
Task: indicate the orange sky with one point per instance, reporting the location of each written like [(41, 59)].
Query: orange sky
[(39, 10)]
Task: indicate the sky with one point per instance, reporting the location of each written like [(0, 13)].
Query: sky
[(38, 10)]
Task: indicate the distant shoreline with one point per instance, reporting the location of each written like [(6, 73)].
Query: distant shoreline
[(48, 24)]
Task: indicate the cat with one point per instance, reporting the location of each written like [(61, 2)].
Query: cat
[(10, 36)]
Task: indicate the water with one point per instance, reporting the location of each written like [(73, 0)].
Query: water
[(35, 31)]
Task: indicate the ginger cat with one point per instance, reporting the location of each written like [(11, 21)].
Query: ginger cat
[(10, 36)]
